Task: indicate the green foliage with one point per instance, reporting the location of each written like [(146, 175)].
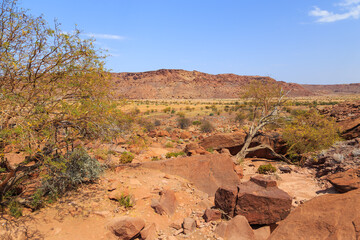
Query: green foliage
[(210, 149), (266, 169), (65, 173), (15, 209), (126, 201), (206, 127), (155, 158), (169, 145), (54, 89), (196, 123), (167, 109), (183, 123), (174, 154), (37, 199), (181, 114), (126, 157), (309, 132)]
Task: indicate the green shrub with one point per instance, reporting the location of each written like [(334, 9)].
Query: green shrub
[(37, 200), (181, 114), (196, 123), (68, 171), (174, 154), (167, 109), (126, 157), (169, 145), (126, 201), (183, 123), (266, 169), (309, 132), (155, 158), (210, 149), (206, 127), (15, 209)]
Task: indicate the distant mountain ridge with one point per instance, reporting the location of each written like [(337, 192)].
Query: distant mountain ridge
[(182, 84), (342, 89)]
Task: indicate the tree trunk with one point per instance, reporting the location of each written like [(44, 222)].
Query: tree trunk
[(263, 146)]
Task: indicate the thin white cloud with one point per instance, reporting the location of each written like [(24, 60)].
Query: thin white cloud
[(348, 9), (104, 36), (349, 2)]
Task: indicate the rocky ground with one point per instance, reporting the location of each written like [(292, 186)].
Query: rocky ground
[(203, 195)]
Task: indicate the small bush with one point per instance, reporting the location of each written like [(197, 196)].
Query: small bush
[(126, 157), (15, 209), (240, 117), (169, 145), (167, 109), (37, 199), (174, 154), (149, 126), (181, 114), (196, 123), (206, 127), (266, 169), (183, 123), (155, 158), (68, 171), (126, 201), (157, 123), (210, 149)]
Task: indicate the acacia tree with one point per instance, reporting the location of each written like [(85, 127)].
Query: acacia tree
[(54, 89), (265, 100)]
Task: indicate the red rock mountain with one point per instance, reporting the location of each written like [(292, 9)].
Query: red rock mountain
[(181, 84)]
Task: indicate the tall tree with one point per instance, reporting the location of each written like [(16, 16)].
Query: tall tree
[(265, 100), (54, 89)]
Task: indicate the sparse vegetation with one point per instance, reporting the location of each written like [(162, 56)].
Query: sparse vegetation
[(266, 169), (174, 154), (15, 209), (206, 127), (126, 201), (183, 123), (126, 157), (308, 132), (63, 173)]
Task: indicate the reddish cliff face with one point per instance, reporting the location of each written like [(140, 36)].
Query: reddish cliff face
[(181, 84)]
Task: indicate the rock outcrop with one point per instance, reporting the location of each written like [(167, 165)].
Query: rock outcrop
[(166, 204), (331, 216), (206, 172), (345, 181), (126, 227), (341, 157), (235, 141), (347, 115), (259, 200), (237, 228)]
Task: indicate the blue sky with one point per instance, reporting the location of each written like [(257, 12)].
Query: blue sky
[(302, 41)]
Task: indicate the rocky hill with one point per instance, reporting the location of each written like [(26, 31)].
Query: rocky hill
[(353, 88), (181, 84)]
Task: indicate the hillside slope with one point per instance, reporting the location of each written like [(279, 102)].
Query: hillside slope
[(181, 84)]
